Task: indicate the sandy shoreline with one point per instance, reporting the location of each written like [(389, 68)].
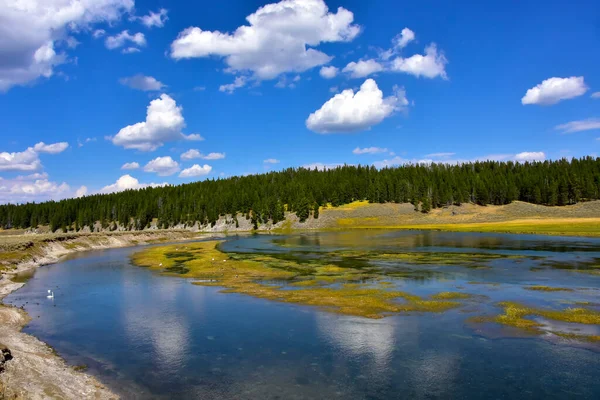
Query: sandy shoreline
[(35, 370)]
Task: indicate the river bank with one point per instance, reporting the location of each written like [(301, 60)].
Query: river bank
[(34, 370)]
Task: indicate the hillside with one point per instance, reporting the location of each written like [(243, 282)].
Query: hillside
[(266, 198)]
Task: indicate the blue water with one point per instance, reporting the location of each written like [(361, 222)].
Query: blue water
[(152, 336)]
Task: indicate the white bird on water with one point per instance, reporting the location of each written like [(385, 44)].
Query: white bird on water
[(51, 295)]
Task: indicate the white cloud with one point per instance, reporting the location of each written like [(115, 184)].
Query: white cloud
[(199, 88), (164, 122), (72, 42), (98, 33), (595, 95), (141, 82), (19, 191), (131, 165), (238, 82), (369, 150), (443, 158), (439, 155), (328, 72), (54, 148), (194, 137), (430, 65), (350, 112), (530, 156), (286, 82), (271, 161), (29, 160), (130, 50), (193, 154), (82, 191), (391, 162), (404, 38), (280, 38), (153, 19), (213, 156), (162, 166), (121, 39), (195, 170), (87, 140), (32, 177), (579, 126), (31, 30), (553, 90), (321, 166), (363, 68), (127, 182)]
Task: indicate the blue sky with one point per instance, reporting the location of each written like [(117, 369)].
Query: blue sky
[(104, 83)]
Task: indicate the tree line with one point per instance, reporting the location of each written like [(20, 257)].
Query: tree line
[(266, 197)]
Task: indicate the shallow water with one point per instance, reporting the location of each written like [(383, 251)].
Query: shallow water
[(153, 336)]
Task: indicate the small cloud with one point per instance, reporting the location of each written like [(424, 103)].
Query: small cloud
[(352, 112), (530, 156), (271, 161), (55, 148), (369, 150), (194, 154), (430, 65), (239, 82), (127, 182), (439, 155), (98, 33), (579, 126), (195, 170), (72, 42), (553, 90), (130, 50), (404, 38), (595, 95), (130, 165), (142, 82), (153, 19), (328, 72), (119, 40), (164, 122), (82, 191), (199, 88), (193, 137), (321, 166), (162, 166), (363, 68)]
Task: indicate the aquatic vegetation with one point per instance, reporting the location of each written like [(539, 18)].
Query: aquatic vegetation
[(541, 288), (574, 336), (451, 295), (315, 283), (515, 315), (583, 266)]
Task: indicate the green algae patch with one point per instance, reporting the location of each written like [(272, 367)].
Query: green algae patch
[(540, 288), (516, 315), (314, 283)]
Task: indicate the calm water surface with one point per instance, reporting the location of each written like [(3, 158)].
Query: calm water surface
[(151, 336)]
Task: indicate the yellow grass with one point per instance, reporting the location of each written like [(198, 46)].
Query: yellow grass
[(548, 226)]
